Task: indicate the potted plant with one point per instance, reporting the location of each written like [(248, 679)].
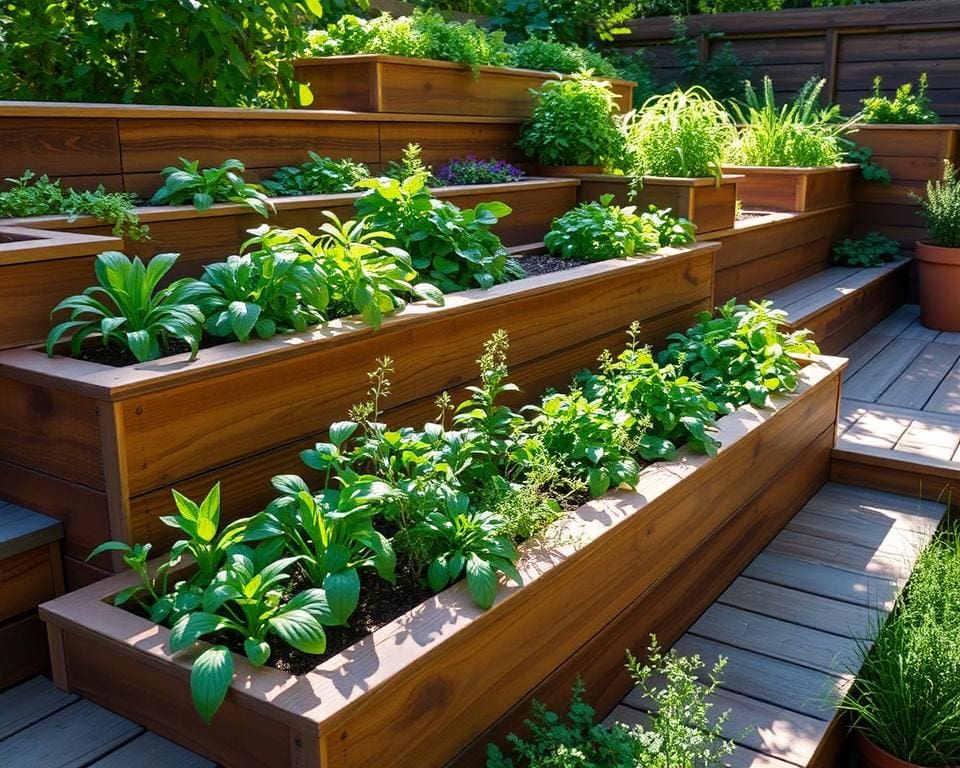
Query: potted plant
[(792, 155), (574, 128), (675, 144), (938, 260), (905, 702), (425, 64)]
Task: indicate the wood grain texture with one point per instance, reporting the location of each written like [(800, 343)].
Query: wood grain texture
[(62, 147), (23, 646), (794, 189), (28, 580)]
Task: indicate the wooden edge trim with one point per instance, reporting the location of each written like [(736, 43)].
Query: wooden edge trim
[(323, 695), (38, 244), (944, 127), (773, 218), (111, 384), (761, 170)]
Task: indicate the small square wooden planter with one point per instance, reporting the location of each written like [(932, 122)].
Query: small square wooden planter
[(794, 189), (437, 679), (399, 85), (710, 206), (101, 447)]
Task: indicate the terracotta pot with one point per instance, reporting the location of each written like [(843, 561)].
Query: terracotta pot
[(569, 170), (872, 756), (939, 271)]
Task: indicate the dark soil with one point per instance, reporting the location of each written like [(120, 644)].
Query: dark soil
[(544, 263), (118, 357)]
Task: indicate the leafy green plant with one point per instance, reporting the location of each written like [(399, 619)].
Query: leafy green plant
[(740, 354), (422, 35), (657, 408), (32, 196), (467, 540), (799, 134), (204, 187), (246, 599), (721, 73), (873, 250), (574, 122), (906, 698), (941, 208), (581, 22), (218, 52), (682, 729), (409, 165), (596, 231), (551, 56), (454, 249), (905, 107), (127, 308), (318, 176), (870, 170), (272, 287), (681, 133)]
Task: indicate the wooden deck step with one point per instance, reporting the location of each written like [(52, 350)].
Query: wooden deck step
[(31, 572), (840, 304), (790, 625)]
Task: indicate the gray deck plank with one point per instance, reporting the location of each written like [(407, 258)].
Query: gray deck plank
[(28, 702), (152, 751), (919, 380)]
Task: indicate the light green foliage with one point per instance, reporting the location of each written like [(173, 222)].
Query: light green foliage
[(551, 56), (799, 134), (423, 35), (681, 133), (905, 107), (906, 698), (128, 308), (204, 187), (871, 171), (941, 208), (598, 231), (32, 196), (452, 248), (409, 165), (216, 52), (318, 176), (574, 122), (873, 250), (657, 408), (274, 286), (740, 354), (682, 731)]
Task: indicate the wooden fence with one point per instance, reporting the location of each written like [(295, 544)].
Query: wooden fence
[(848, 46)]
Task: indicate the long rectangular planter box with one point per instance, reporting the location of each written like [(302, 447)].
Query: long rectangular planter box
[(794, 189), (419, 689), (400, 85), (100, 447), (710, 206), (37, 269)]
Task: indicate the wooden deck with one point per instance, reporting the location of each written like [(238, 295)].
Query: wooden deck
[(900, 413), (788, 625)]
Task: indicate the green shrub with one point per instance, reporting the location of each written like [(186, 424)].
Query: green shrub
[(31, 196), (722, 73), (318, 176), (904, 107), (941, 208), (681, 133), (598, 230), (740, 354), (582, 22), (574, 122), (799, 134), (871, 251), (551, 56), (218, 52), (204, 187)]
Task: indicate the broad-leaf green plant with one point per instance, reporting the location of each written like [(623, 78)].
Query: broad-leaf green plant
[(203, 187), (872, 250), (317, 176)]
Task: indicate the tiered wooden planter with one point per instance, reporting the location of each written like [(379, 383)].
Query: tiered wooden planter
[(37, 269), (100, 448), (913, 154), (396, 84), (710, 206), (447, 674), (794, 189)]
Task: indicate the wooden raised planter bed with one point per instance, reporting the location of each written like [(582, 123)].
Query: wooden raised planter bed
[(37, 269), (795, 189), (446, 674), (710, 206), (100, 447), (400, 85)]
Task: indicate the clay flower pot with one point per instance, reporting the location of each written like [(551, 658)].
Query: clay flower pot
[(872, 756), (939, 270)]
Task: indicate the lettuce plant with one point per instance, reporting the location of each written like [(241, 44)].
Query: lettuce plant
[(127, 308), (204, 187), (318, 176)]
